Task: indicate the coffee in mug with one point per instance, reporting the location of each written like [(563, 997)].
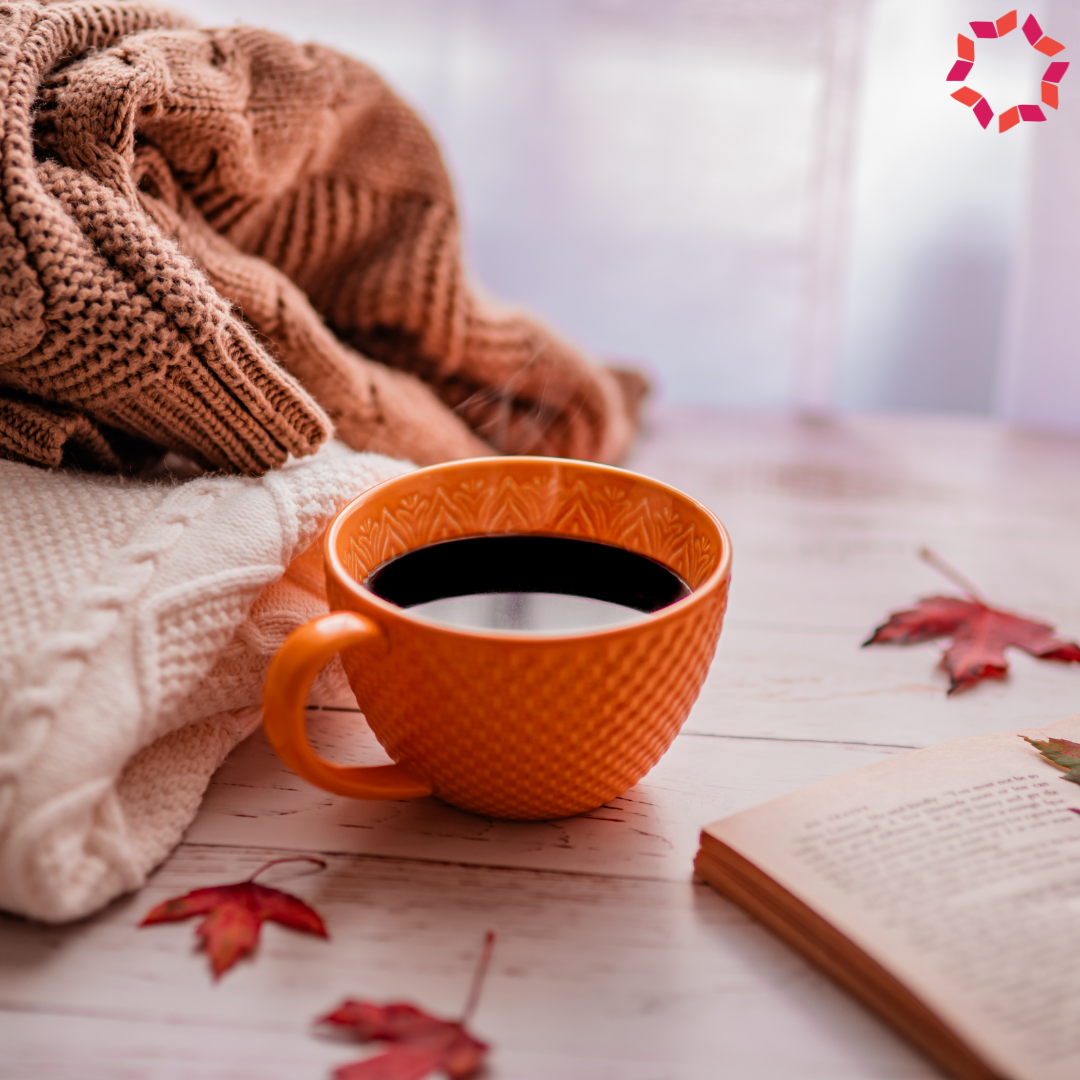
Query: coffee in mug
[(526, 583)]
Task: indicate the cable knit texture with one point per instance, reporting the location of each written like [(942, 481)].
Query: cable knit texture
[(136, 622), (223, 243)]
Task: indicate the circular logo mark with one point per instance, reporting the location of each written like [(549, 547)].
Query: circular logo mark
[(965, 51)]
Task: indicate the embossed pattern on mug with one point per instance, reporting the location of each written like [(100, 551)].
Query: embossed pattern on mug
[(617, 513)]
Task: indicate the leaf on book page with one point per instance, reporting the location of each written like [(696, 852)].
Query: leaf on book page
[(235, 914), (1062, 752)]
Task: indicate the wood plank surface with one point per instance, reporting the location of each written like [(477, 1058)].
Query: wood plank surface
[(592, 976), (611, 961), (651, 831)]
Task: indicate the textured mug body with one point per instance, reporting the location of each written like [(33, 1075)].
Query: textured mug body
[(516, 725)]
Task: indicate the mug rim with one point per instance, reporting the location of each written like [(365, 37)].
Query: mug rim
[(355, 588)]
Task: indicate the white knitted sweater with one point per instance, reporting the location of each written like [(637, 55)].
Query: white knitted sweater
[(136, 622)]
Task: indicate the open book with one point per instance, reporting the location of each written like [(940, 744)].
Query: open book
[(941, 887)]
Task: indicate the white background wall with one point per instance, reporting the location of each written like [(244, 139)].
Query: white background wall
[(772, 203)]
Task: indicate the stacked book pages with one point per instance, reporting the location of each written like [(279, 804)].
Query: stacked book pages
[(941, 887)]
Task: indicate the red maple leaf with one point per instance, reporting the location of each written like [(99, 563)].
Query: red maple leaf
[(980, 636), (419, 1042), (980, 633), (235, 914)]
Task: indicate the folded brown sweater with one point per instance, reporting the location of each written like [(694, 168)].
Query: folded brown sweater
[(225, 244)]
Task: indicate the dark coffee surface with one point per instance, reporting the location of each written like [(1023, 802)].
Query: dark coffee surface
[(526, 564)]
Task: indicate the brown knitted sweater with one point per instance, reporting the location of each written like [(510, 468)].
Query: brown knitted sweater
[(225, 244)]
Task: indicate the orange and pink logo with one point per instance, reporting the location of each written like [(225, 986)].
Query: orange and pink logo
[(965, 51)]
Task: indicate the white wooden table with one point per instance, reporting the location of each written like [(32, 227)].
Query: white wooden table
[(612, 963)]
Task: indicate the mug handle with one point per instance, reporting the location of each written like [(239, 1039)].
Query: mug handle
[(301, 657)]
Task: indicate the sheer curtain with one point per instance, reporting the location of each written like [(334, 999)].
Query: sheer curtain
[(1038, 382), (771, 203)]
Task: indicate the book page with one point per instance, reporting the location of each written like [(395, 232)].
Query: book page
[(958, 869)]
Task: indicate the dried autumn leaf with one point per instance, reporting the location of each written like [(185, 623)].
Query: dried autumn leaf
[(980, 633), (1062, 752), (235, 914), (420, 1043), (980, 636)]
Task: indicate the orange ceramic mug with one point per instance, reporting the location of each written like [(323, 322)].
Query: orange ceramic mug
[(503, 723)]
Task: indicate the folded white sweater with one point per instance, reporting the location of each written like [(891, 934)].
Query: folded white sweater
[(136, 622)]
